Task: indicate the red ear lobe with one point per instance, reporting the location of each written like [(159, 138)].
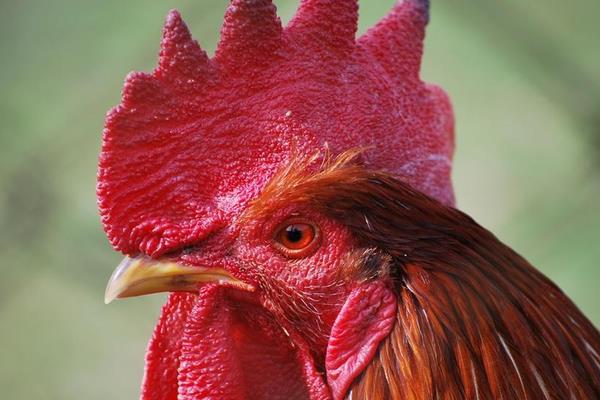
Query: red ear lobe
[(365, 320)]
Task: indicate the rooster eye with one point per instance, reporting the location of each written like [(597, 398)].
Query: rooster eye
[(297, 238)]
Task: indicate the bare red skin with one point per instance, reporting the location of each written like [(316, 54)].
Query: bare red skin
[(193, 142), (229, 352)]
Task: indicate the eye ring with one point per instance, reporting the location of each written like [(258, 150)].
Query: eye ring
[(296, 238)]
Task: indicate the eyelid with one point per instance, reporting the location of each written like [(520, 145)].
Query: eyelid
[(300, 253)]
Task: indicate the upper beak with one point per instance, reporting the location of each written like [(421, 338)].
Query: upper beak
[(143, 275)]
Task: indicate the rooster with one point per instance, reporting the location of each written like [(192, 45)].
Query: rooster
[(293, 193)]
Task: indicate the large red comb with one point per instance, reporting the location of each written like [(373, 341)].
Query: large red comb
[(192, 142)]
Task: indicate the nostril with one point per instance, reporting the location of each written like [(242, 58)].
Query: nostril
[(182, 251), (189, 249)]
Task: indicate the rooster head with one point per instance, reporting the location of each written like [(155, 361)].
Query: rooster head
[(207, 182)]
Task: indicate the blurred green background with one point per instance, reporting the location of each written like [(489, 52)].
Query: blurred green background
[(524, 78)]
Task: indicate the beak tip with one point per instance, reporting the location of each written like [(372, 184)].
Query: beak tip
[(115, 286), (108, 297), (111, 293)]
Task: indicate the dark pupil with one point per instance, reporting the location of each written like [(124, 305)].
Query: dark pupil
[(293, 234)]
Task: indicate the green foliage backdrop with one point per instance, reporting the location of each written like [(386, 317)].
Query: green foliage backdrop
[(525, 82)]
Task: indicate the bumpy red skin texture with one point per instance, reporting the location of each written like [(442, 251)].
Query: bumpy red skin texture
[(216, 345), (164, 350), (195, 140)]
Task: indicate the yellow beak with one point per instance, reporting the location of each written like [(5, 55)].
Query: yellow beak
[(143, 275)]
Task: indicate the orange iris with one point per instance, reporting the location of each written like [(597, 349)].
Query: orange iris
[(296, 239)]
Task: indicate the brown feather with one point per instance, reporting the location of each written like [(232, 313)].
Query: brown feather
[(475, 319)]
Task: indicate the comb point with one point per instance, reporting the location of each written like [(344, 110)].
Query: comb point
[(141, 87), (328, 24), (181, 57), (251, 31), (397, 40)]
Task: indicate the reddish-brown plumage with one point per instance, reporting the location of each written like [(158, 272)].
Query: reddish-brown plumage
[(475, 319)]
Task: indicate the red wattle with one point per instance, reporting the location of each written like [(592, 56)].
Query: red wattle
[(162, 357), (213, 347)]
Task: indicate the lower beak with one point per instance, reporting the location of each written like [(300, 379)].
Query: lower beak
[(143, 275)]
